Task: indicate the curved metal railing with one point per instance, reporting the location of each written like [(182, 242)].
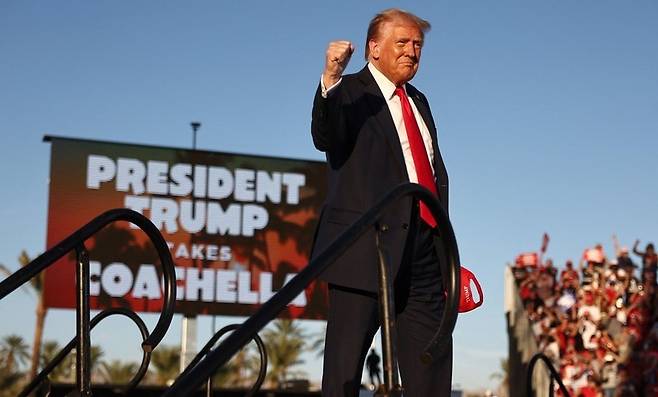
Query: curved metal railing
[(146, 356), (262, 372), (81, 342), (191, 380), (555, 376)]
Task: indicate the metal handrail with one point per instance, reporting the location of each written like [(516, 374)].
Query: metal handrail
[(192, 379), (555, 376), (262, 372), (139, 375), (75, 241)]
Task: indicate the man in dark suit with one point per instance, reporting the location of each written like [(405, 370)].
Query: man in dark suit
[(377, 132)]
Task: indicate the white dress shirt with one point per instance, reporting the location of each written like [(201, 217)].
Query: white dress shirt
[(395, 107)]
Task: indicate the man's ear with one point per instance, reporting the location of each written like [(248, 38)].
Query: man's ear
[(374, 48)]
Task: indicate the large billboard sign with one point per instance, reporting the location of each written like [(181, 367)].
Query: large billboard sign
[(238, 226)]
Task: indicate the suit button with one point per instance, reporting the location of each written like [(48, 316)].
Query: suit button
[(405, 226), (383, 227)]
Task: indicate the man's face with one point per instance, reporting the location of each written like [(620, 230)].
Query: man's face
[(396, 50)]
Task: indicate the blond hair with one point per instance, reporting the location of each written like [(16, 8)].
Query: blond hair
[(389, 15)]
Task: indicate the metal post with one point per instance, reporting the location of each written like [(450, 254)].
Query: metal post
[(195, 127), (209, 384), (391, 385), (188, 341), (188, 334), (209, 387), (82, 350)]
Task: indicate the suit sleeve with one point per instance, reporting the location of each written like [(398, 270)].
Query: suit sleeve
[(442, 173), (328, 120)]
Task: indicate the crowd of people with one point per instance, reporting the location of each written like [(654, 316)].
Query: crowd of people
[(597, 320)]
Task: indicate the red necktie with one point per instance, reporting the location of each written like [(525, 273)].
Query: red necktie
[(419, 154)]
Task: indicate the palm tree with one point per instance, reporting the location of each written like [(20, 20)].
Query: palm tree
[(96, 354), (317, 342), (285, 342), (166, 361), (9, 382), (225, 376), (503, 376), (240, 371), (118, 372), (61, 372), (36, 283), (14, 351)]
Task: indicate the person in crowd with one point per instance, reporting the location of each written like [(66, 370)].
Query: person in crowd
[(590, 389), (569, 277), (587, 330), (625, 387), (594, 255), (519, 271), (609, 378), (372, 364), (649, 259), (550, 270), (624, 260)]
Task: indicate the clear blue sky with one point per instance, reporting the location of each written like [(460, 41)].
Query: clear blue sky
[(547, 115)]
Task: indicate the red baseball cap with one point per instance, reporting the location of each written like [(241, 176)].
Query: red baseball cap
[(466, 301)]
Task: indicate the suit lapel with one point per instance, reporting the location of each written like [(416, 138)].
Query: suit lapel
[(382, 115)]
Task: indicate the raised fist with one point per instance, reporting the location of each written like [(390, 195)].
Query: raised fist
[(338, 56)]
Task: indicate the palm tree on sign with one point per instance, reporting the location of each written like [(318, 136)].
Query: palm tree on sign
[(166, 361), (36, 284), (14, 352), (285, 342)]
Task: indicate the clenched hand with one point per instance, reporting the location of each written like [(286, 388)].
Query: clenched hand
[(337, 57)]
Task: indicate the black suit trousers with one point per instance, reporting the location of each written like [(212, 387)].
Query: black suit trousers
[(353, 321)]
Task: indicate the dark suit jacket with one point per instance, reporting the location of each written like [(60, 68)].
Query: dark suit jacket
[(354, 127)]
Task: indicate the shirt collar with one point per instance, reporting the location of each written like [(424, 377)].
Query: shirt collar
[(385, 85)]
